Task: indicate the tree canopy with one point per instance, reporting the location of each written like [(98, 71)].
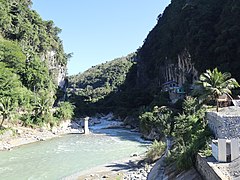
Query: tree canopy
[(29, 49)]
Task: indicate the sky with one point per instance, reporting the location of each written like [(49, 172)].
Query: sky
[(96, 31)]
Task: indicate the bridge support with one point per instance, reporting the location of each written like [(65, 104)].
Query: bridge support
[(86, 129)]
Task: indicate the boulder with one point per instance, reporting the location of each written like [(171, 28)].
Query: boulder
[(74, 125), (19, 131), (105, 176), (54, 130), (152, 135), (133, 122), (134, 155), (128, 126)]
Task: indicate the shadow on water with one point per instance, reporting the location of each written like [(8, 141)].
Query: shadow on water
[(123, 135)]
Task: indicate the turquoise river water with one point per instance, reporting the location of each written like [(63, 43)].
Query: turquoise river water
[(60, 157)]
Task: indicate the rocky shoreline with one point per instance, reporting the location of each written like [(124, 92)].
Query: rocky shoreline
[(19, 135)]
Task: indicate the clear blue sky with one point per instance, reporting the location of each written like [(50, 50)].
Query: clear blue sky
[(97, 31)]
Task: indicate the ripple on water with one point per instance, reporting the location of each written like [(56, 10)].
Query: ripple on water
[(5, 169)]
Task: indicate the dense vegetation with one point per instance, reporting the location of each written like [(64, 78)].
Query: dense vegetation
[(20, 23), (188, 127), (207, 29), (98, 82), (27, 79)]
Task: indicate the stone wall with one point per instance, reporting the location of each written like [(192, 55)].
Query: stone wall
[(225, 124), (206, 171)]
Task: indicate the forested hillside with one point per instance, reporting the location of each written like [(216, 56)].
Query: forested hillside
[(189, 37), (112, 74), (203, 33), (98, 82), (32, 63)]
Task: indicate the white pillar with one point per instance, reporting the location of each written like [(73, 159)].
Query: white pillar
[(86, 129), (222, 150), (234, 149)]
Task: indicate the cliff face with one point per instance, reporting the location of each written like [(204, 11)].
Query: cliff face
[(190, 37), (56, 70), (181, 70)]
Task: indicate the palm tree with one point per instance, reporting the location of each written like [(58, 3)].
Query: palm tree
[(213, 84), (6, 109)]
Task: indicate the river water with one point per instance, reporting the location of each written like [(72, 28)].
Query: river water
[(60, 157)]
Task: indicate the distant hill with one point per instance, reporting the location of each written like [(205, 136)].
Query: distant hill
[(100, 80)]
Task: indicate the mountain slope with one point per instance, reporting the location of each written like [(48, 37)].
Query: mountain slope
[(98, 82), (36, 37), (33, 64), (202, 33)]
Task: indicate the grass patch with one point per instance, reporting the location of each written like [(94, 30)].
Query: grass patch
[(155, 151)]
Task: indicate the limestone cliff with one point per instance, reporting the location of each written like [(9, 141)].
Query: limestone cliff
[(181, 71), (57, 71)]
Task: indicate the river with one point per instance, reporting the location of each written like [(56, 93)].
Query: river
[(60, 157)]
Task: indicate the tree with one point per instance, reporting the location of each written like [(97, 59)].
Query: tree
[(12, 55), (6, 109), (190, 133), (213, 84), (43, 103), (64, 111), (160, 119), (11, 86)]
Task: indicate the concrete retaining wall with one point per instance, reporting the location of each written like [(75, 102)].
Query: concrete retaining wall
[(206, 171)]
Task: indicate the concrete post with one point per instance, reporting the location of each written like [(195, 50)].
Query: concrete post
[(222, 150), (234, 149), (86, 129), (215, 149)]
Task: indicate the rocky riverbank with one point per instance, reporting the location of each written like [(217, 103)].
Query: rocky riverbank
[(18, 135), (129, 168)]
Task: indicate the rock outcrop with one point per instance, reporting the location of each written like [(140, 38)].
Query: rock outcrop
[(58, 71)]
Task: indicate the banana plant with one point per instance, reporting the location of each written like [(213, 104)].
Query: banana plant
[(6, 109)]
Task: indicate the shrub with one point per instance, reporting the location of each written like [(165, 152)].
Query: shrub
[(159, 118), (27, 120), (155, 151), (64, 111)]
